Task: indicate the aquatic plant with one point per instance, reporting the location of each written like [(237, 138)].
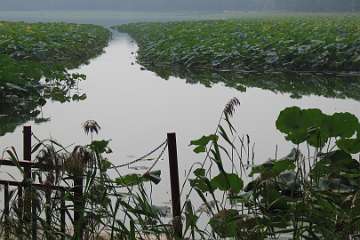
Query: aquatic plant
[(312, 193), (35, 59), (308, 43), (304, 195)]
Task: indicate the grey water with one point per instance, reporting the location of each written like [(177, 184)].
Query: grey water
[(136, 109)]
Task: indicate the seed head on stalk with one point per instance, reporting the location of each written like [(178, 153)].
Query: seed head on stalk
[(91, 126), (231, 106)]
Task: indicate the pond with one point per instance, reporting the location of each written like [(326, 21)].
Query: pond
[(136, 108)]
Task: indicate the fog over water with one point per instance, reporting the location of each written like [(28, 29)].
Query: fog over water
[(136, 107), (171, 5)]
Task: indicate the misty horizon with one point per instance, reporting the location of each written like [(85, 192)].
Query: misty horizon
[(182, 5)]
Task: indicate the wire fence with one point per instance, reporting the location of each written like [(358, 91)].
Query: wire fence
[(40, 203)]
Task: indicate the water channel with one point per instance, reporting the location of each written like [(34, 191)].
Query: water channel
[(136, 108)]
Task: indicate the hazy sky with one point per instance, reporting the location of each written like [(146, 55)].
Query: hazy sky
[(158, 5)]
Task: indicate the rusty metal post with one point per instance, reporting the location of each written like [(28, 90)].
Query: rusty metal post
[(175, 187), (27, 173)]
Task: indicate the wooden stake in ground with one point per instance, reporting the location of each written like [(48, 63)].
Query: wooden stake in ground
[(174, 180)]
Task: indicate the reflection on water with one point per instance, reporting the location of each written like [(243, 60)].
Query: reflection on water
[(14, 113), (19, 105), (137, 108), (297, 85)]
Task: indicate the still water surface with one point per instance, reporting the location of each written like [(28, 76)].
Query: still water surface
[(136, 109)]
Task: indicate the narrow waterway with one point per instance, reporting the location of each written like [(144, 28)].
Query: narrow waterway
[(136, 109)]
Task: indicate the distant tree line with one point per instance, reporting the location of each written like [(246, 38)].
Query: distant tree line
[(166, 5), (309, 5)]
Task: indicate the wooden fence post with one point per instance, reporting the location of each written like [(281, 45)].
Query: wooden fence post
[(7, 210), (78, 207), (48, 212), (33, 215), (175, 187), (21, 211), (27, 173), (62, 213)]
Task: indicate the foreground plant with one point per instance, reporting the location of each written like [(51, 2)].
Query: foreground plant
[(300, 196), (312, 193), (106, 203)]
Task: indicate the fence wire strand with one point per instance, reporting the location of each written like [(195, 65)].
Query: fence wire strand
[(142, 158)]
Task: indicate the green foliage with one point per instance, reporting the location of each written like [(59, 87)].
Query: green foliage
[(296, 123), (30, 52), (202, 184), (100, 147), (228, 223), (120, 207), (293, 197), (272, 169), (136, 179), (299, 196), (188, 49), (335, 164), (349, 145), (129, 180), (306, 43), (224, 223), (227, 182), (202, 143), (316, 128), (67, 45)]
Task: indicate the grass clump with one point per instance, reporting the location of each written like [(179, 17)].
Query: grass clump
[(308, 43)]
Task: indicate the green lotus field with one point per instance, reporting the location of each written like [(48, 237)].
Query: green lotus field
[(32, 52), (292, 43)]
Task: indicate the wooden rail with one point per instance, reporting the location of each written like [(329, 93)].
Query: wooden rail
[(37, 186), (28, 164)]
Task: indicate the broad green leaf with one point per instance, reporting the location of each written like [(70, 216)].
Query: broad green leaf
[(136, 179), (200, 144), (335, 162), (199, 172), (296, 123), (129, 180), (351, 146), (202, 184), (228, 182), (99, 146), (340, 125)]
